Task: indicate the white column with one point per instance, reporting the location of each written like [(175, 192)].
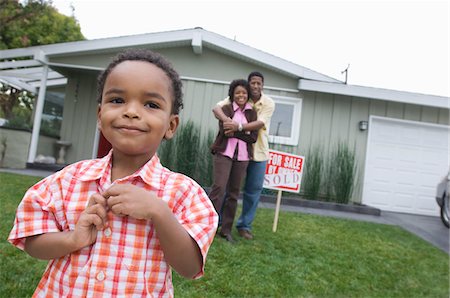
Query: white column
[(38, 115), (96, 143)]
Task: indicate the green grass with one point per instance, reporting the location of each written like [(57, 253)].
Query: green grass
[(308, 256), (19, 273)]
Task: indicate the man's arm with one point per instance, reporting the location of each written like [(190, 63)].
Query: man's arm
[(220, 115), (231, 127), (218, 112), (264, 116)]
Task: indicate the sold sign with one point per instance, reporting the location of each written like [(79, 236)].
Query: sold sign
[(283, 171)]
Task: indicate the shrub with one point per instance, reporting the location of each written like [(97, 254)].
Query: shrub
[(314, 165), (167, 153), (205, 162), (187, 142), (342, 171), (188, 153)]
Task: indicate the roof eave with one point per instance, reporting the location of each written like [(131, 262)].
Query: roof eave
[(67, 48), (196, 37), (241, 50), (376, 93)]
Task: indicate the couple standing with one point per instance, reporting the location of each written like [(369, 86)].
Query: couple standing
[(241, 147)]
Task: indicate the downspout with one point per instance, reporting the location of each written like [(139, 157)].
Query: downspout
[(40, 56)]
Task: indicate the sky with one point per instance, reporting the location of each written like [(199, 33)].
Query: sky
[(399, 45)]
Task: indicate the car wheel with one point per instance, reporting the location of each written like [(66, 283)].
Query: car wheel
[(445, 210)]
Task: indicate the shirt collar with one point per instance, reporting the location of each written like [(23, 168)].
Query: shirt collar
[(100, 169), (262, 99), (246, 107), (95, 169)]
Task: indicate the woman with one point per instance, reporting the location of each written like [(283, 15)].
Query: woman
[(231, 156)]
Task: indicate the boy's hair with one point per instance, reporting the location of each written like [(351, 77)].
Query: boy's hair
[(234, 84), (255, 74), (153, 58)]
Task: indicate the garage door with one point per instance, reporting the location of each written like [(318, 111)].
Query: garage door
[(405, 161)]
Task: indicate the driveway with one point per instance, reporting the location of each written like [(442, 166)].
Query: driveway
[(429, 228)]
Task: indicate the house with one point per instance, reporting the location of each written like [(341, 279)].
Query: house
[(401, 139)]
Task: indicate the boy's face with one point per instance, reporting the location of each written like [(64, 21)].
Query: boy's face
[(256, 86), (135, 112)]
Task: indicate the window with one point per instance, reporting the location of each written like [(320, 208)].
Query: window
[(52, 113), (285, 122)]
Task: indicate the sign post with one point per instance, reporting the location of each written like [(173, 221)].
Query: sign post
[(277, 211), (283, 173)]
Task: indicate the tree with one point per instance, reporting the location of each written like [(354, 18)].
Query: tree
[(31, 23), (34, 23)]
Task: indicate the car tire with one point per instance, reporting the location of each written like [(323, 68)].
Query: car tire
[(445, 210)]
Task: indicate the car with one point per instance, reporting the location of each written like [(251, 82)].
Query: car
[(442, 198)]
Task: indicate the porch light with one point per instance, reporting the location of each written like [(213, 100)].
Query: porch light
[(363, 125)]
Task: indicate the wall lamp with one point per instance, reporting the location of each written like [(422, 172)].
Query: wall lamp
[(363, 125)]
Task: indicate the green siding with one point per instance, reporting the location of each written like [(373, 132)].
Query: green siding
[(80, 116), (211, 65), (443, 116), (377, 108), (429, 115), (413, 112), (325, 120), (340, 118), (395, 110), (199, 100)]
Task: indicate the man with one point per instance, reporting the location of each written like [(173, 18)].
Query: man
[(256, 169)]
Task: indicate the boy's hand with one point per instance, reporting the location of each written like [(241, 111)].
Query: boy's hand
[(128, 199), (91, 220)]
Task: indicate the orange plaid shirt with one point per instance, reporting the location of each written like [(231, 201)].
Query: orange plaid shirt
[(126, 260)]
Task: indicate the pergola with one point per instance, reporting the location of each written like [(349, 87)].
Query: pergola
[(33, 75)]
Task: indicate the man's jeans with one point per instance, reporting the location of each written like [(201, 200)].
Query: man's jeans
[(252, 191)]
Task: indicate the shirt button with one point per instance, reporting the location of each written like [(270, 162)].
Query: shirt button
[(107, 232), (101, 276)]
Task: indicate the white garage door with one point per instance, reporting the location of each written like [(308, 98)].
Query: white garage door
[(404, 163)]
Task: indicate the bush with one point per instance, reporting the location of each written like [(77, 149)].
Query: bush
[(166, 153), (21, 119), (205, 161), (342, 173), (314, 165), (189, 154), (187, 143)]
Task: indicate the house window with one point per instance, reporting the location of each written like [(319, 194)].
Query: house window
[(52, 114), (285, 122)]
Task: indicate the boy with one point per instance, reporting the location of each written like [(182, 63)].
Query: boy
[(114, 226)]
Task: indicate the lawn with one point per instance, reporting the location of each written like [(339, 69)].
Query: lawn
[(308, 256)]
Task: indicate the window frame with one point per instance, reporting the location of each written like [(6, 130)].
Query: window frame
[(296, 102)]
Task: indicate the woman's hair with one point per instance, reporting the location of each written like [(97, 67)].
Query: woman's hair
[(153, 58), (236, 83)]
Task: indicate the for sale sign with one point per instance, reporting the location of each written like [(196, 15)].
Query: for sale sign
[(284, 171)]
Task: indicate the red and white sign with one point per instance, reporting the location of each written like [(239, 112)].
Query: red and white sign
[(283, 171)]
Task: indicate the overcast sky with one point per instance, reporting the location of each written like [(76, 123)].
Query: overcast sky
[(400, 45)]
